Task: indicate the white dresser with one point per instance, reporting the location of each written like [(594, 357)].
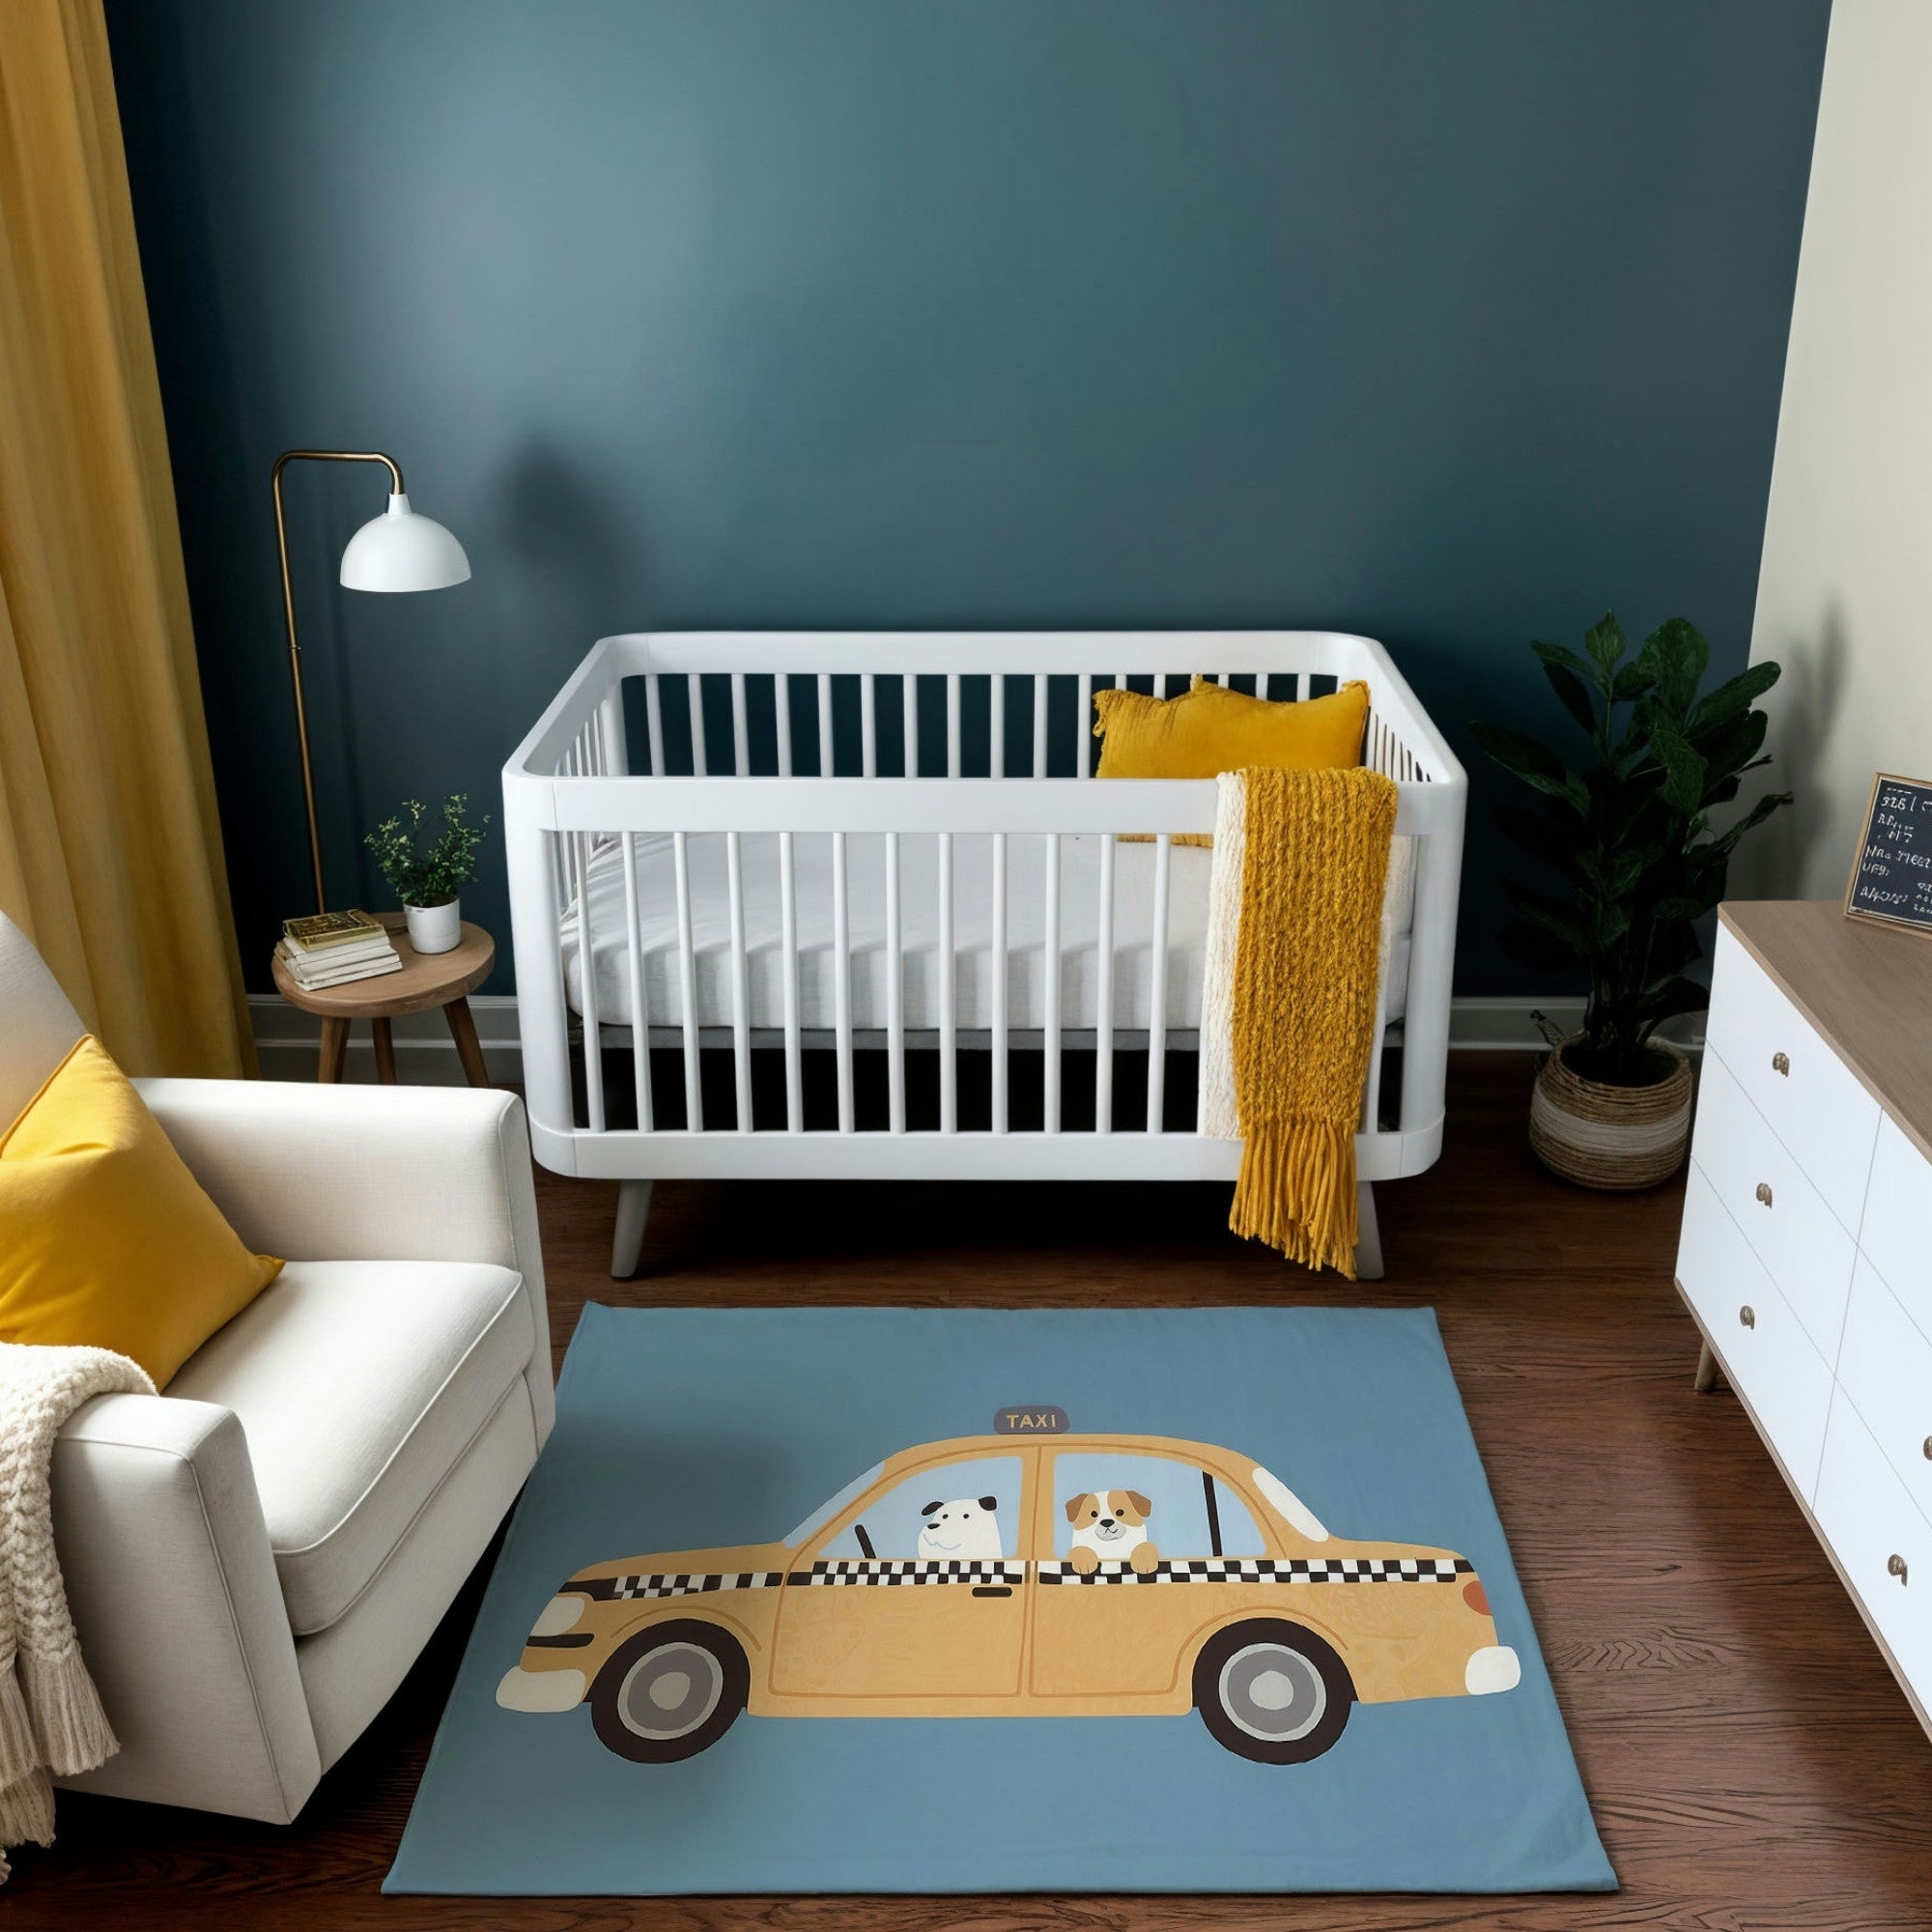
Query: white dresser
[(1806, 1251)]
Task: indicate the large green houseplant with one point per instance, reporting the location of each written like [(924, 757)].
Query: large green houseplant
[(1627, 831)]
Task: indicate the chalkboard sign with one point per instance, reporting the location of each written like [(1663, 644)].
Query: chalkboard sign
[(1891, 877)]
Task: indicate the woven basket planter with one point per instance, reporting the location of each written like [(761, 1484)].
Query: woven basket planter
[(1611, 1137)]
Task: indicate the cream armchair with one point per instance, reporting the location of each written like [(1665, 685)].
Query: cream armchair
[(255, 1556)]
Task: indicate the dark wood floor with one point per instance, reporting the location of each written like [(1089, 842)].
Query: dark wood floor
[(1751, 1763)]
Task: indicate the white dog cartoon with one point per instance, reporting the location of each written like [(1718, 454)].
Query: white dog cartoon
[(1112, 1523), (963, 1531)]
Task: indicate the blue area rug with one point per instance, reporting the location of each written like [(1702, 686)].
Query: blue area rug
[(868, 1600)]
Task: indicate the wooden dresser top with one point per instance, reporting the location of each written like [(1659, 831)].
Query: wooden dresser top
[(1867, 988)]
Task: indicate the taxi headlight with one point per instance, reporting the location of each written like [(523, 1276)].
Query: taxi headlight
[(558, 1615)]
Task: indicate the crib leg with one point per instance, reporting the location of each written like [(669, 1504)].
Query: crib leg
[(634, 1206), (1367, 1234)]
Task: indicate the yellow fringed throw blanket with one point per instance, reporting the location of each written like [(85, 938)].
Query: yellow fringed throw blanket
[(1295, 954)]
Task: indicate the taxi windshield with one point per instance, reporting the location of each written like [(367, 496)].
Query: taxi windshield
[(832, 1505), (1289, 1507)]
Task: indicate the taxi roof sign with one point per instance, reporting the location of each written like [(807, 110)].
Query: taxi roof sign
[(1034, 1420)]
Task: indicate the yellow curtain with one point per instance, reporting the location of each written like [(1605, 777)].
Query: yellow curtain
[(110, 851)]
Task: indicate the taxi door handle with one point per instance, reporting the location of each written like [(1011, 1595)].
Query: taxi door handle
[(992, 1589)]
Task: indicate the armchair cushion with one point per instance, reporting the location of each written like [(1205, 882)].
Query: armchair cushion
[(359, 1385)]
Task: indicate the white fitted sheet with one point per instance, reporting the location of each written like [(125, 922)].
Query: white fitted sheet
[(919, 890)]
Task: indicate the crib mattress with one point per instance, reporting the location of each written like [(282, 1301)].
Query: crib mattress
[(1079, 901)]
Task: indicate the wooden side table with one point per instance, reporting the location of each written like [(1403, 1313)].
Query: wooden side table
[(442, 979)]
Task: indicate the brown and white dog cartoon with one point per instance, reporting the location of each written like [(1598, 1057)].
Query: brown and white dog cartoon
[(1112, 1524)]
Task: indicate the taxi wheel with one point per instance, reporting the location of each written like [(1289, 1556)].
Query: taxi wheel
[(670, 1692), (1272, 1692)]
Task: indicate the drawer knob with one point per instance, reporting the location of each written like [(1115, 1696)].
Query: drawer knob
[(1762, 1191), (1929, 1448), (1748, 1316), (1894, 1566), (1779, 1063)]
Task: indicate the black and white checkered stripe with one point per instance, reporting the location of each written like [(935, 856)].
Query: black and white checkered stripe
[(693, 1583), (913, 1572), (1271, 1570), (910, 1571)]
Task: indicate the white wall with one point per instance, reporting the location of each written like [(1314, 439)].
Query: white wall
[(1844, 596)]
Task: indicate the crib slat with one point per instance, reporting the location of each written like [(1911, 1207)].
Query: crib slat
[(788, 939), (1050, 969), (999, 1046), (869, 724), (1157, 987), (640, 1019), (782, 696), (694, 696), (1083, 736), (741, 730), (825, 767), (654, 722), (894, 993), (996, 723), (1103, 1016), (1300, 686), (687, 981), (561, 849), (1371, 1098), (559, 877), (948, 1023), (611, 737), (952, 724), (587, 961), (741, 995), (841, 976), (1039, 691), (909, 721)]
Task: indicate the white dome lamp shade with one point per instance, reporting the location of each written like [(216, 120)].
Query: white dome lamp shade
[(402, 550)]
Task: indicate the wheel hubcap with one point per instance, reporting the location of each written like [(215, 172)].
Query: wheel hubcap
[(670, 1692), (1272, 1694)]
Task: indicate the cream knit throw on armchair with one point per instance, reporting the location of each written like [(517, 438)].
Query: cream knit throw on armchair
[(50, 1717)]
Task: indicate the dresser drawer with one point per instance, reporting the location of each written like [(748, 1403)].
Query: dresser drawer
[(1798, 1239), (1772, 1363), (1886, 1368), (1882, 1543), (1813, 1102), (1897, 1232)]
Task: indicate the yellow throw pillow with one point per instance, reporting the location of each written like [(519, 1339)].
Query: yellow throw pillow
[(1211, 729), (105, 1237)]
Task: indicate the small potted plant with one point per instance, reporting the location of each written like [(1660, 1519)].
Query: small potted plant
[(1629, 832), (426, 876)]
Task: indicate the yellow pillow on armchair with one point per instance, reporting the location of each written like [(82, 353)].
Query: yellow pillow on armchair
[(1211, 729), (106, 1239)]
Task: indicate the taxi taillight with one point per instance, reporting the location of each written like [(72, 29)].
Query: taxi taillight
[(1476, 1597)]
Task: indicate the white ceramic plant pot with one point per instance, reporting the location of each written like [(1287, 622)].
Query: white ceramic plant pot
[(436, 928)]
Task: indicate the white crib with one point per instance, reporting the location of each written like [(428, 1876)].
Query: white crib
[(951, 923)]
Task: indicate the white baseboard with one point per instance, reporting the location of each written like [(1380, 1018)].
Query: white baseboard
[(287, 1041)]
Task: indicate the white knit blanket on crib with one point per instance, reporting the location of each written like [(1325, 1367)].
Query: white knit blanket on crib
[(50, 1717)]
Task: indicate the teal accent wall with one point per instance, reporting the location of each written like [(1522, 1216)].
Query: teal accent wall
[(1448, 323)]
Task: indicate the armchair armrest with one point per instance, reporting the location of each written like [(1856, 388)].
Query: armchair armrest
[(173, 1588), (338, 1173)]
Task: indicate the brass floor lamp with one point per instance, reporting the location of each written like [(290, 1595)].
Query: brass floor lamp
[(397, 550)]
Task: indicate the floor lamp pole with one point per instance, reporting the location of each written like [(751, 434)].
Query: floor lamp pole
[(295, 647)]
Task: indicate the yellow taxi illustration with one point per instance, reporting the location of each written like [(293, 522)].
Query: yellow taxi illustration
[(1028, 1573)]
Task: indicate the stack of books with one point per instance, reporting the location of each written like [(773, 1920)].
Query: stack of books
[(330, 949)]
